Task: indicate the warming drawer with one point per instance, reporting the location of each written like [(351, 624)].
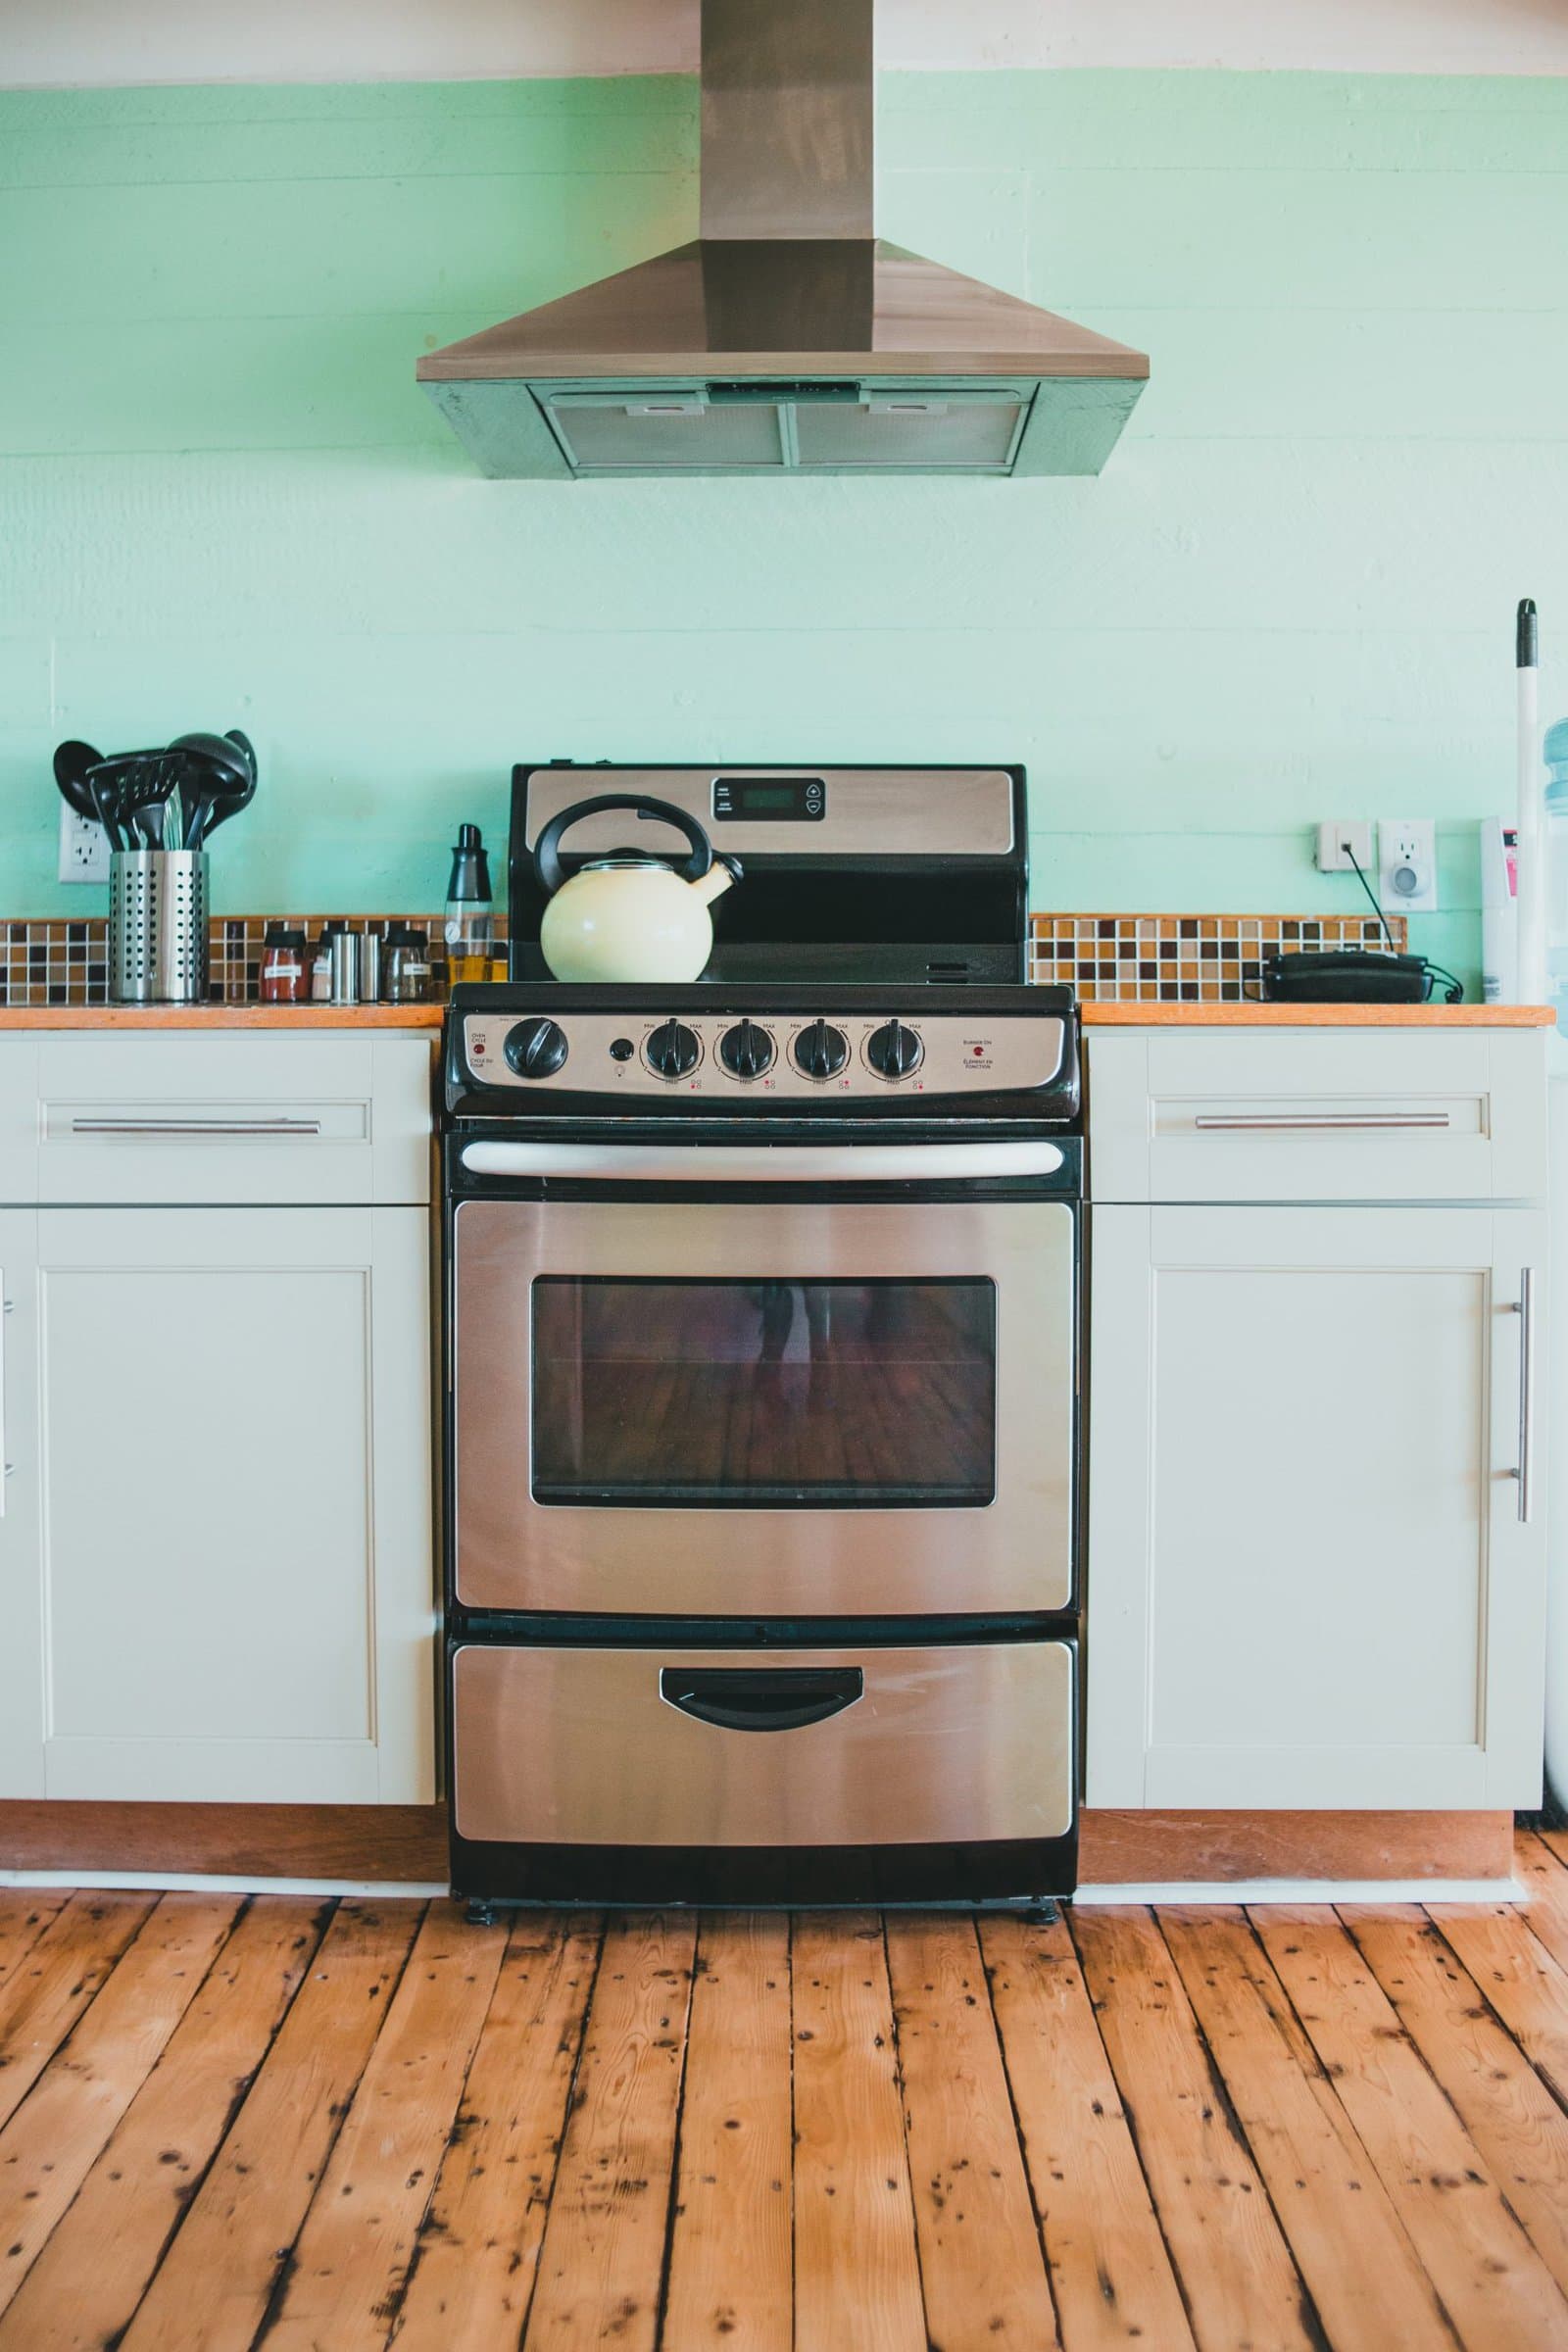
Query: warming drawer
[(795, 1747)]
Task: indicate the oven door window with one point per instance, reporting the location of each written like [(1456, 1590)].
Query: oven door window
[(764, 1395)]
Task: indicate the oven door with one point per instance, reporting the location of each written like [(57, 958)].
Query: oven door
[(764, 1407)]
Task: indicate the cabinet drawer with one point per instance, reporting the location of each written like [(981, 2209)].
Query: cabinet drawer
[(1307, 1114), (229, 1118), (801, 1747)]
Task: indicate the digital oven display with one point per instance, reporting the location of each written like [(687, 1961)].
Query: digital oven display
[(771, 800)]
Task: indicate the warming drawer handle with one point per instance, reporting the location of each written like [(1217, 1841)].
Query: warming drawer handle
[(1261, 1121), (152, 1126), (783, 1698)]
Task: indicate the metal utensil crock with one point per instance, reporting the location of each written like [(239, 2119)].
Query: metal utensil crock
[(158, 927)]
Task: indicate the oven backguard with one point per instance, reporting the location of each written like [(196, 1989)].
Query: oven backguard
[(763, 1409)]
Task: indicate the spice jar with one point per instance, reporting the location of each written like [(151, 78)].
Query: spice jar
[(321, 989), (285, 973), (404, 966)]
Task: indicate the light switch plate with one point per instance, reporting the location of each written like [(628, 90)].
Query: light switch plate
[(1407, 864), (83, 847)]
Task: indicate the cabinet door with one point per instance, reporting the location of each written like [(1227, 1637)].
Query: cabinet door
[(21, 1600), (238, 1592), (1309, 1581)]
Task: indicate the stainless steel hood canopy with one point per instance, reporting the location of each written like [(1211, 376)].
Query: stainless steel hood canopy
[(788, 337)]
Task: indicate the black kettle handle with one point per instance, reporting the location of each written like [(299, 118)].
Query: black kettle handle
[(547, 849)]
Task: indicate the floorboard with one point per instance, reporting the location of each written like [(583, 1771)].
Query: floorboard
[(1541, 1865), (1519, 1978), (84, 2288), (1110, 2272), (1361, 2271), (735, 2185), (857, 2270), (211, 2290), (24, 1917), (279, 2125), (56, 1981), (1495, 2092), (975, 2230), (1495, 2286), (601, 2265), (352, 2257), (1241, 2283), (56, 2136), (477, 2255)]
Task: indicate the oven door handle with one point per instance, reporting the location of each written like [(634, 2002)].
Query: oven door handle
[(761, 1163), (764, 1699)]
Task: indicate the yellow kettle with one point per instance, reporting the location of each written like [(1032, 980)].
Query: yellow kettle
[(626, 915)]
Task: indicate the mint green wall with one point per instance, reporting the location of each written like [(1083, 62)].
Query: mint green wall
[(224, 502)]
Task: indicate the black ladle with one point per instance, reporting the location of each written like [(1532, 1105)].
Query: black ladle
[(225, 804), (71, 762), (232, 755)]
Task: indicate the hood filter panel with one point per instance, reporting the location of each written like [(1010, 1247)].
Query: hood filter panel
[(839, 428)]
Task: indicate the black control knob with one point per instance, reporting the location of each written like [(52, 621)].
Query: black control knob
[(894, 1050), (821, 1050), (536, 1049), (674, 1050), (746, 1051)]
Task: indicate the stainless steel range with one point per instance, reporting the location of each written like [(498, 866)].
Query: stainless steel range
[(761, 1543)]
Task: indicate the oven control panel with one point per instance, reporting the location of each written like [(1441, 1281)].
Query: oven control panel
[(800, 1057)]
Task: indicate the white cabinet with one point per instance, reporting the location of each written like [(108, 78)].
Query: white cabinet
[(21, 1586), (217, 1575), (1309, 1585)]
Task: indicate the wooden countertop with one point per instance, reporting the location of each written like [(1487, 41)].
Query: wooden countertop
[(1101, 1014), (1119, 1014), (222, 1016)]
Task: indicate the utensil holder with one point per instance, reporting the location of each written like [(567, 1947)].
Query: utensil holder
[(158, 927)]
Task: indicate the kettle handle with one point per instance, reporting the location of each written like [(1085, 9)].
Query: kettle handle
[(547, 849)]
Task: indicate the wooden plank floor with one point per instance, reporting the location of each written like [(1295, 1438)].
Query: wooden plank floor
[(324, 2127)]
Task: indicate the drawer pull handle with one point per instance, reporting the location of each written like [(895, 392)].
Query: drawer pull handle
[(1333, 1120), (762, 1700), (195, 1126), (1524, 1307)]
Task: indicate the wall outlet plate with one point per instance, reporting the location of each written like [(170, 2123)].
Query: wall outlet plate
[(1407, 864), (83, 847), (1331, 839)]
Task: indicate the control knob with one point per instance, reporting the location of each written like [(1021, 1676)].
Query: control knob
[(674, 1050), (821, 1050), (536, 1049), (894, 1050), (746, 1051)]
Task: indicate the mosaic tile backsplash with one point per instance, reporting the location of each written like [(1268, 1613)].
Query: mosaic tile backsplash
[(1157, 959), (54, 961), (1184, 959)]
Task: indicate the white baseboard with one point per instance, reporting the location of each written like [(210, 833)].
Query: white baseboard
[(1177, 1891), (1308, 1891), (173, 1881)]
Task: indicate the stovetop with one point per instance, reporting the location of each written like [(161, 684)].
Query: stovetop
[(541, 1050)]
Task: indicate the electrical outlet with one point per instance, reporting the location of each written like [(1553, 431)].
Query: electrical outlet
[(1407, 864), (1339, 835), (83, 847)]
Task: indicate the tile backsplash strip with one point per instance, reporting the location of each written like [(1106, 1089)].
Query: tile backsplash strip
[(56, 961), (1201, 958), (1184, 958)]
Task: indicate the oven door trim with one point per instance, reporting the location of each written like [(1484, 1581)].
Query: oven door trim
[(1014, 1556)]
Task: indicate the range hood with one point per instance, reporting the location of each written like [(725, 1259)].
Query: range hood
[(787, 337)]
